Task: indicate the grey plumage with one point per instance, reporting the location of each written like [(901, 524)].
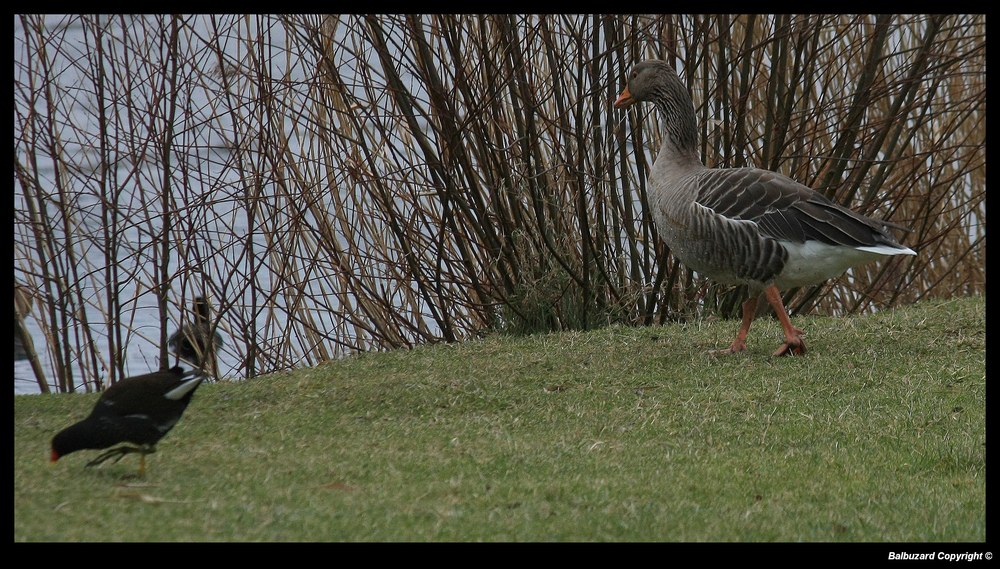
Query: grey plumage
[(745, 225)]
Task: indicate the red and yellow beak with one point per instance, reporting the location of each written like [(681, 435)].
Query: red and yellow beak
[(624, 99)]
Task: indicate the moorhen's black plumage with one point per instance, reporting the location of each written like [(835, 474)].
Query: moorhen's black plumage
[(196, 342), (138, 410)]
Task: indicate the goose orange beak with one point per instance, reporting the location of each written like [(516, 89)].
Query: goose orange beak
[(624, 99)]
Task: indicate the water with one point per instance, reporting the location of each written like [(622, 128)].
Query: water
[(209, 187), (228, 229)]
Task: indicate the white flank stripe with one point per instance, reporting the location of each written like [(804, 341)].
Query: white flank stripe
[(183, 389)]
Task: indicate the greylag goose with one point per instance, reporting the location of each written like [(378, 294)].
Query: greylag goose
[(745, 225), (195, 342)]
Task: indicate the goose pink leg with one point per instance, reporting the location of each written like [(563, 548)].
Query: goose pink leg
[(740, 343), (794, 344)]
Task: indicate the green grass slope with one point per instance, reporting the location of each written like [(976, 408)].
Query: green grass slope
[(619, 434)]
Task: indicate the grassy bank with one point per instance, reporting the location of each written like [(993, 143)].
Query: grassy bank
[(877, 434)]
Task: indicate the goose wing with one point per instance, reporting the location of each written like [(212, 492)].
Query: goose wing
[(788, 211)]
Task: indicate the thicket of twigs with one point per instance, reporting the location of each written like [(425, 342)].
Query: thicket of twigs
[(338, 184)]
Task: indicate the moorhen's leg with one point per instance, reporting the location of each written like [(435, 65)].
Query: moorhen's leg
[(118, 452), (115, 453)]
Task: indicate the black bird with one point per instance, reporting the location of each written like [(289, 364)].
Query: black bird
[(138, 410), (196, 343)]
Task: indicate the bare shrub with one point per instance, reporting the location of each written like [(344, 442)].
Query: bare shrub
[(342, 184)]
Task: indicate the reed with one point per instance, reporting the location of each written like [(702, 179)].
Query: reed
[(353, 183)]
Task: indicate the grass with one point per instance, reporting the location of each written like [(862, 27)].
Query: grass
[(877, 434)]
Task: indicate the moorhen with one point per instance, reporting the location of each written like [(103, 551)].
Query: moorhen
[(138, 410), (196, 342), (746, 225)]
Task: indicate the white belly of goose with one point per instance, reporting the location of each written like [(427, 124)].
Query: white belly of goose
[(746, 225), (813, 262)]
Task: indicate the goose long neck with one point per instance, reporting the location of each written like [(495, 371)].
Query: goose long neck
[(680, 137)]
